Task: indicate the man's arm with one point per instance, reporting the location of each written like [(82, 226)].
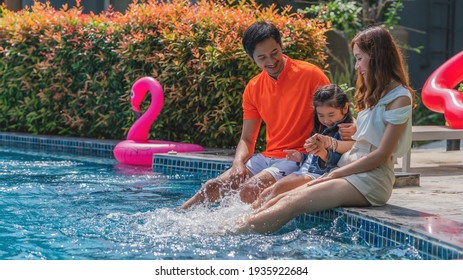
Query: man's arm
[(247, 143)]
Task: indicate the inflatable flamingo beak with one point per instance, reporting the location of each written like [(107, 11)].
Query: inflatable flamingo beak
[(136, 114), (135, 102)]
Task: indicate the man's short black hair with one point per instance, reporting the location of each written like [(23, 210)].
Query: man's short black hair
[(258, 32)]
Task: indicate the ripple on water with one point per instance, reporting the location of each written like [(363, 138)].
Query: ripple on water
[(67, 208)]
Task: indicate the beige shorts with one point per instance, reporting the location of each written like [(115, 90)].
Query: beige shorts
[(376, 184)]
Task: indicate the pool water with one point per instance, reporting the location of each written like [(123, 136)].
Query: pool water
[(56, 206)]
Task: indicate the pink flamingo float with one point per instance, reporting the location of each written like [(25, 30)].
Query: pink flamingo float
[(137, 149), (439, 95)]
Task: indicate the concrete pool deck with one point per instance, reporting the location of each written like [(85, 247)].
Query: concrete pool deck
[(441, 183)]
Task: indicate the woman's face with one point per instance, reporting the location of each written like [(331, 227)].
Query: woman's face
[(362, 61)]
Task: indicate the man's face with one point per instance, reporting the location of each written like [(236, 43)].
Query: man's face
[(268, 56)]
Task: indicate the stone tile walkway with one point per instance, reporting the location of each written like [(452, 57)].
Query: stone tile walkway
[(441, 183)]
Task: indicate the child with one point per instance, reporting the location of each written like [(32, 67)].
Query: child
[(331, 108), (365, 176)]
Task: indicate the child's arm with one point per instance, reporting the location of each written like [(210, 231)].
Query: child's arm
[(294, 155), (316, 146), (330, 162), (333, 157), (333, 144)]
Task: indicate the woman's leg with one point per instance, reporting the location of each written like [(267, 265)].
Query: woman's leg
[(326, 195)]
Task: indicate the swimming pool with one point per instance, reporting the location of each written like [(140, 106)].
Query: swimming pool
[(63, 206), (357, 227)]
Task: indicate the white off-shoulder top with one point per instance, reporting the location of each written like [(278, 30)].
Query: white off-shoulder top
[(372, 122)]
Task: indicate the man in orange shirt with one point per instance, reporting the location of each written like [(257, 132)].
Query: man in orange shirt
[(281, 95)]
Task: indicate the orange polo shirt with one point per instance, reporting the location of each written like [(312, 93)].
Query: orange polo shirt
[(285, 105)]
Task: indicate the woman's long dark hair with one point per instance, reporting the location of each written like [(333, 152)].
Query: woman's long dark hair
[(333, 96)]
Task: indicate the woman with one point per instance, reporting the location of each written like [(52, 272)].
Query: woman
[(365, 176)]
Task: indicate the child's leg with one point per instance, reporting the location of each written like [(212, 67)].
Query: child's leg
[(276, 170), (263, 196), (287, 183)]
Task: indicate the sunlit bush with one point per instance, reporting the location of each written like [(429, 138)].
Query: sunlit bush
[(67, 73)]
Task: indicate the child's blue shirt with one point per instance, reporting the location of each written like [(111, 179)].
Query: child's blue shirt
[(314, 164)]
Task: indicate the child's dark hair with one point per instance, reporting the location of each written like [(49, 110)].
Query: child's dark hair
[(258, 32), (333, 96)]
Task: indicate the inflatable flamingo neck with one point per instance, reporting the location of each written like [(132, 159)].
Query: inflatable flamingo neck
[(141, 128), (439, 93)]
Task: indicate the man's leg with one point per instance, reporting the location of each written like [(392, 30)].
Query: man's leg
[(214, 189)]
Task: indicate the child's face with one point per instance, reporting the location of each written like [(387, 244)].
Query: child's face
[(328, 115), (269, 57)]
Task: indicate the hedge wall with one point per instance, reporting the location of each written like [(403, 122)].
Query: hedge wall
[(63, 72)]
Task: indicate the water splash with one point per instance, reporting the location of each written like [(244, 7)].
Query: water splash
[(199, 220)]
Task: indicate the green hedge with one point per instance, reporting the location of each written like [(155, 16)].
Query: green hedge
[(67, 73)]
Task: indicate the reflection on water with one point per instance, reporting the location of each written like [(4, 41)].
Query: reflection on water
[(64, 207)]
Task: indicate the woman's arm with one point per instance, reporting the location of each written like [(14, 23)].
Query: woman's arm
[(385, 149), (377, 157), (344, 146), (347, 130)]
